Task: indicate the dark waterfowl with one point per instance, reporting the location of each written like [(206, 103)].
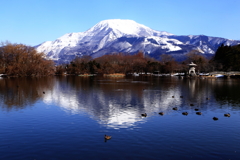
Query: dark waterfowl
[(196, 109), (175, 108), (144, 114), (161, 113), (215, 118), (181, 96), (172, 96), (199, 113), (227, 115), (185, 113), (207, 98), (107, 137), (191, 104), (43, 92)]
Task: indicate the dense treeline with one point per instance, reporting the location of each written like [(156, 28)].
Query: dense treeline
[(108, 64), (227, 58), (22, 60), (125, 63)]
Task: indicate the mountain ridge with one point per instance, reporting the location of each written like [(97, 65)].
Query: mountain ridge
[(117, 35)]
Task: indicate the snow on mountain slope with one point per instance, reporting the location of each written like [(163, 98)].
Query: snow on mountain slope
[(53, 48), (149, 44), (117, 35), (94, 39), (206, 44)]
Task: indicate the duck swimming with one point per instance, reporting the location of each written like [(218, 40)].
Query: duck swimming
[(144, 114), (161, 113), (185, 113), (107, 137), (199, 113), (227, 115), (215, 118)]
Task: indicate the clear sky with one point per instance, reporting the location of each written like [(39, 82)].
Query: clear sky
[(32, 22)]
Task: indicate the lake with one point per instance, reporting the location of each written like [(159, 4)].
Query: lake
[(58, 118)]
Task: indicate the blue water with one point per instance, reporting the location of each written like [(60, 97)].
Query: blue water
[(70, 120)]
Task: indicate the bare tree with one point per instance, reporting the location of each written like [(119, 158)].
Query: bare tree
[(22, 60)]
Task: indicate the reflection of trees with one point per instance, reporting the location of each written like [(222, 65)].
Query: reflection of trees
[(221, 90), (21, 92), (227, 91)]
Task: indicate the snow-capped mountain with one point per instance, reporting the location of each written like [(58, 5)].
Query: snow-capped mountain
[(126, 36)]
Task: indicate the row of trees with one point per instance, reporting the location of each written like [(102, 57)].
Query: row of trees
[(125, 63), (22, 60), (108, 64), (227, 58)]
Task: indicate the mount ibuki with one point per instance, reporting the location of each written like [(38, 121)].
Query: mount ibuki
[(127, 36)]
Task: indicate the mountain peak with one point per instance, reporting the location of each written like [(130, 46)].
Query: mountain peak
[(126, 27), (116, 22), (121, 24)]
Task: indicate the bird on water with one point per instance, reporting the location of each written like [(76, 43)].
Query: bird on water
[(175, 108), (227, 115), (107, 137), (161, 113), (215, 118), (144, 114), (199, 113)]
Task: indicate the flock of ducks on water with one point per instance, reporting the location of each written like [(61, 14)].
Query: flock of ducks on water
[(107, 137), (186, 113), (175, 108)]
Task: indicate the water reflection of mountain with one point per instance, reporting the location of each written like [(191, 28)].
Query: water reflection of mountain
[(17, 93), (119, 102), (115, 103)]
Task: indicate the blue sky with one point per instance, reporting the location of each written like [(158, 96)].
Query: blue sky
[(32, 22)]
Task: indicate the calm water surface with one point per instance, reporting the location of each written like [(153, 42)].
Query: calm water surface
[(69, 120)]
